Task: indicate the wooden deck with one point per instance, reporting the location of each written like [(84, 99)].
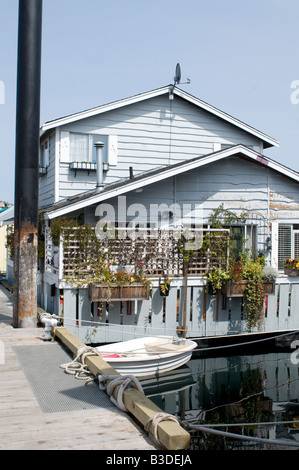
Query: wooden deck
[(24, 425)]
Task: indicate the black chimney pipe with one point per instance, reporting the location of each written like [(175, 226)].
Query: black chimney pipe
[(27, 163)]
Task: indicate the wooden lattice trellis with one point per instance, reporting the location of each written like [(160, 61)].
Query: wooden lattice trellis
[(159, 253)]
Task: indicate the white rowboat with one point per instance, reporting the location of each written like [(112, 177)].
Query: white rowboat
[(149, 356)]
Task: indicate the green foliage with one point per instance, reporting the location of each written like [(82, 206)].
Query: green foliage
[(253, 273), (217, 278), (221, 217), (165, 285), (241, 265)]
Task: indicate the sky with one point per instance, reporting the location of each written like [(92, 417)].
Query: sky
[(241, 56)]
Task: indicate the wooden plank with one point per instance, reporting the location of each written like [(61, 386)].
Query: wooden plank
[(171, 434), (283, 306)]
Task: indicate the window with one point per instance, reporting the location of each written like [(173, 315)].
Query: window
[(243, 237), (44, 154), (288, 243), (82, 147)]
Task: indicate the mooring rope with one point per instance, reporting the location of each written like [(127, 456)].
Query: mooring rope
[(231, 435), (77, 366), (121, 381)]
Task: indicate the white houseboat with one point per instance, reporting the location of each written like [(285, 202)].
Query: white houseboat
[(137, 185)]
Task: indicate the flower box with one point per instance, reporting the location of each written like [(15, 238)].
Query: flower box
[(269, 288), (134, 291), (238, 289), (291, 271), (43, 170), (83, 166), (235, 289)]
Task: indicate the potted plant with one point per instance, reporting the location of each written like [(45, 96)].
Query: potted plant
[(236, 285), (291, 267), (165, 286), (269, 275)]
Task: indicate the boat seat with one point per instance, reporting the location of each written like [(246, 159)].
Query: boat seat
[(160, 347)]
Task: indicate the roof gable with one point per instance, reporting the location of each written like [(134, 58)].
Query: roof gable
[(169, 89), (125, 186)]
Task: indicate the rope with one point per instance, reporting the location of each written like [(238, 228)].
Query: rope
[(240, 436), (121, 381), (77, 366), (258, 423), (155, 420)]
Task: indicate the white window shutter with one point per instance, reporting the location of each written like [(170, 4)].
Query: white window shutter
[(65, 146), (296, 244), (112, 150)]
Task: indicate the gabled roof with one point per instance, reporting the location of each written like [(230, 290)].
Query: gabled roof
[(267, 140), (140, 181)]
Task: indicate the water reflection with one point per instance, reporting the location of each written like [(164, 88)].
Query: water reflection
[(234, 390)]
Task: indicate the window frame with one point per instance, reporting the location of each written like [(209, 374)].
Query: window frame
[(90, 156), (292, 251)]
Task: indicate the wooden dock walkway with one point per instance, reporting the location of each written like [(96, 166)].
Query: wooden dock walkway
[(24, 425)]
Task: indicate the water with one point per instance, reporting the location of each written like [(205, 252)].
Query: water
[(253, 389)]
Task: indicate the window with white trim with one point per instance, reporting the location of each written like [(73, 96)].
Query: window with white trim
[(82, 147), (288, 243)]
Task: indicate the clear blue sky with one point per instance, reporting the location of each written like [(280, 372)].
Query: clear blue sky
[(241, 56)]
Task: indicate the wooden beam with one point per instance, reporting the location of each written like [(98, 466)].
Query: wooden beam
[(171, 434)]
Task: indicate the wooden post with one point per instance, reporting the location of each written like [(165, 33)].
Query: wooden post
[(171, 434), (184, 329)]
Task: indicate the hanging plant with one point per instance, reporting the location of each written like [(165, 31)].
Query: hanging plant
[(254, 293), (216, 279), (165, 286)]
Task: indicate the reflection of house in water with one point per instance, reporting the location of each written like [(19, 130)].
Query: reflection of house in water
[(241, 389)]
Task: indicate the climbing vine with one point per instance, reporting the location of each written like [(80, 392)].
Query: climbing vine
[(241, 266)]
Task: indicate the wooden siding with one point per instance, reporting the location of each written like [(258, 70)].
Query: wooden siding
[(207, 315), (150, 134), (283, 199), (239, 184)]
